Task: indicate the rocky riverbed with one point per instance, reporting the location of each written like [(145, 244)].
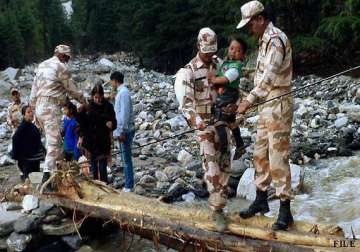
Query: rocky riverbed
[(326, 124)]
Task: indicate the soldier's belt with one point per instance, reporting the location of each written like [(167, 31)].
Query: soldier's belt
[(203, 109), (53, 100)]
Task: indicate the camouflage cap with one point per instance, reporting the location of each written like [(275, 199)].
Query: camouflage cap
[(207, 40), (249, 10), (64, 49)]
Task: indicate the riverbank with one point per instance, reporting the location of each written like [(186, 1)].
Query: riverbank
[(326, 125)]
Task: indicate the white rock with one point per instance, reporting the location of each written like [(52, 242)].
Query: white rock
[(341, 122), (188, 197), (252, 120), (246, 187), (35, 177), (106, 62), (6, 160), (30, 202), (11, 73), (184, 157), (177, 122), (143, 115), (297, 177), (314, 123)]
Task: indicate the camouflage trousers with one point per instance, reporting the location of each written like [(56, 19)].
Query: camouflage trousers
[(48, 116), (272, 146), (216, 177)]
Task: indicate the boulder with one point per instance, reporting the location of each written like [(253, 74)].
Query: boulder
[(341, 122), (106, 62), (26, 224), (74, 241), (161, 176), (11, 73), (18, 242), (30, 202), (184, 157)]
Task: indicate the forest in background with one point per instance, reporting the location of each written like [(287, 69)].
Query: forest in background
[(163, 33)]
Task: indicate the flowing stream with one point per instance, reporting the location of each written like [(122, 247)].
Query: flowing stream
[(331, 196)]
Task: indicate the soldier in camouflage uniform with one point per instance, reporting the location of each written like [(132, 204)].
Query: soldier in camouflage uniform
[(272, 78), (196, 106), (14, 116), (51, 85)]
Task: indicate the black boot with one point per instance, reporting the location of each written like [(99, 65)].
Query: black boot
[(46, 176), (284, 218), (260, 205)]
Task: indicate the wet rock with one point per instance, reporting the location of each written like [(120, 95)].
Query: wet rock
[(18, 242), (42, 209), (66, 227), (26, 224), (11, 206), (30, 202), (7, 220), (73, 241)]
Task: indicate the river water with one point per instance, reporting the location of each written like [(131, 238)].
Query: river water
[(331, 195)]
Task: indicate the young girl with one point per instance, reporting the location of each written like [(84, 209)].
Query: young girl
[(97, 121), (227, 83), (27, 147), (70, 132)]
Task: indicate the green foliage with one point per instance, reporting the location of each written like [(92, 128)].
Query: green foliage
[(163, 33)]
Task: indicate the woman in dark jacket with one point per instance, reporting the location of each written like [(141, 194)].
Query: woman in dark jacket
[(27, 148), (97, 121)]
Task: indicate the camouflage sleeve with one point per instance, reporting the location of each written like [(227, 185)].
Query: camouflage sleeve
[(33, 93), (8, 116), (272, 65), (187, 102), (64, 77)]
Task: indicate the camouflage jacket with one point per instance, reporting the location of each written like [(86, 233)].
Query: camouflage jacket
[(199, 96), (53, 80), (274, 64)]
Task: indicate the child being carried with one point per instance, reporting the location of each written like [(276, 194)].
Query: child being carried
[(227, 82)]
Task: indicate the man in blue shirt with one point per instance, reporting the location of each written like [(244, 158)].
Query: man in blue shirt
[(125, 129)]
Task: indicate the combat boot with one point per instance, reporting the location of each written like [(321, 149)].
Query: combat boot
[(217, 216), (285, 218), (260, 205)]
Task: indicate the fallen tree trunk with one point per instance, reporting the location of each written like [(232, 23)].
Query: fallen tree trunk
[(192, 225)]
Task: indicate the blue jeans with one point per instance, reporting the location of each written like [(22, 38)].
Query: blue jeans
[(126, 156), (98, 167)]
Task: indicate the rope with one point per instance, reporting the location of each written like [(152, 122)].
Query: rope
[(251, 107)]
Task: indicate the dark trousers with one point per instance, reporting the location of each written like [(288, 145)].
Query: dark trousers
[(69, 156), (223, 140), (98, 166), (230, 96), (28, 166)]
